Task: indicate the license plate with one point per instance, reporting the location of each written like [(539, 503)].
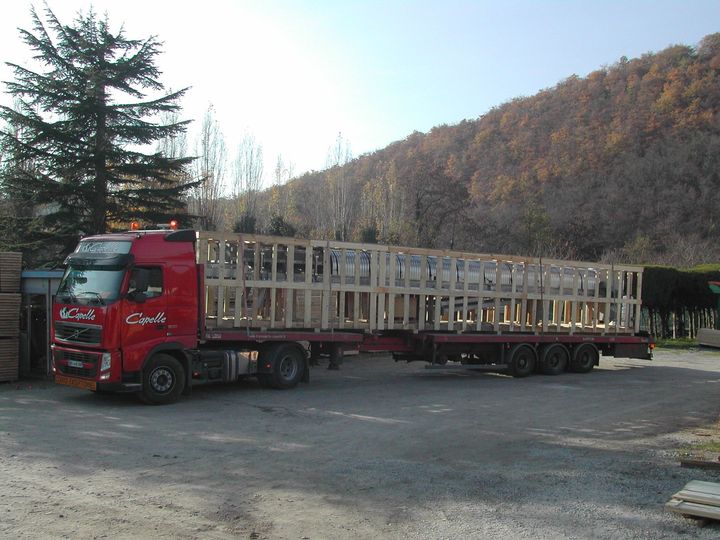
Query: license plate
[(77, 383), (75, 363)]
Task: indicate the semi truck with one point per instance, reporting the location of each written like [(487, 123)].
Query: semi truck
[(158, 312)]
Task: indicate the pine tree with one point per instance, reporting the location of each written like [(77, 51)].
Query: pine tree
[(75, 140)]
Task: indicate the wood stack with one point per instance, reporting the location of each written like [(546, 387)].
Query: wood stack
[(10, 267), (701, 499), (708, 337)]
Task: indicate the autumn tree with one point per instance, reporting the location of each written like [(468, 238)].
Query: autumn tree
[(279, 204), (86, 113), (340, 187), (248, 169), (382, 206), (209, 173)]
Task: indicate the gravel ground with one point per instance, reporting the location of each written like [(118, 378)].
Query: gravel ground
[(377, 449)]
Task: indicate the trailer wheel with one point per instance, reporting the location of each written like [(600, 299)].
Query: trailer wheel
[(288, 365), (522, 360), (584, 359), (554, 359), (163, 380)]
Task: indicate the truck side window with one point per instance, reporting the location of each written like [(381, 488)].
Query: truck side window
[(155, 281)]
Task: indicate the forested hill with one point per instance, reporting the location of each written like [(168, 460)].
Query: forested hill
[(623, 164)]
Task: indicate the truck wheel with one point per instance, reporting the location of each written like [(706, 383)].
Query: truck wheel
[(584, 358), (288, 366), (554, 359), (522, 360), (163, 380)]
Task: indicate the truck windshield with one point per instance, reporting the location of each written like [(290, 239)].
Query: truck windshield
[(91, 286)]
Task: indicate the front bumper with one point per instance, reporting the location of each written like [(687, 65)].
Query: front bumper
[(119, 387), (95, 386)]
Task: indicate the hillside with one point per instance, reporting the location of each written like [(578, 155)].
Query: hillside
[(623, 164)]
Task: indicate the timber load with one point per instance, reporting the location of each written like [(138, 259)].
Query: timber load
[(265, 282), (10, 269)]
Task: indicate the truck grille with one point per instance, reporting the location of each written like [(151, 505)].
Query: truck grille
[(87, 334), (62, 357)]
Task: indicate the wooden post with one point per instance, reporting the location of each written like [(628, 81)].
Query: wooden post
[(357, 296), (573, 302), (451, 291), (373, 288), (290, 291), (391, 289), (618, 301), (546, 272), (341, 290), (273, 283), (422, 302), (481, 297), (513, 293), (221, 281), (381, 288), (307, 316), (638, 304), (326, 287), (466, 289), (406, 296)]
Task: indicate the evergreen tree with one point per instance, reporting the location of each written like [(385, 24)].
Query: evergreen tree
[(74, 141)]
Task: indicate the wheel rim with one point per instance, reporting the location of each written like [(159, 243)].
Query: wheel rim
[(554, 360), (585, 359), (288, 367), (522, 362), (162, 380)]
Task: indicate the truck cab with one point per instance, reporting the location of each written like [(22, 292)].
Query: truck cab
[(124, 300)]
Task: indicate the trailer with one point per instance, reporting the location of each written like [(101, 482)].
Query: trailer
[(158, 312)]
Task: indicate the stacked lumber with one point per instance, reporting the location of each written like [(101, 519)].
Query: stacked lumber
[(701, 499), (10, 267), (708, 337)]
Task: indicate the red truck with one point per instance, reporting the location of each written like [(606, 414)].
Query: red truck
[(157, 312)]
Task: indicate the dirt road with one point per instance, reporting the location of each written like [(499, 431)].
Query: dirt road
[(376, 450)]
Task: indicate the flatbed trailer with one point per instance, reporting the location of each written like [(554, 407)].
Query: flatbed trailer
[(180, 308)]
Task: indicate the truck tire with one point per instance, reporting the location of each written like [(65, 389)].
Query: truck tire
[(288, 365), (554, 359), (522, 360), (163, 380), (584, 359)]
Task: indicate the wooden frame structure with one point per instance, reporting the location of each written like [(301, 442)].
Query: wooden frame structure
[(265, 282)]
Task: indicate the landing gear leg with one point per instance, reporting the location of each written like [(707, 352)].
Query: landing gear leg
[(314, 354), (336, 356)]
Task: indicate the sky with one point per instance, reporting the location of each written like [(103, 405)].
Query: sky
[(295, 74)]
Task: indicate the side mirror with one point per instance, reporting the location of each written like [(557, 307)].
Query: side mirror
[(137, 296)]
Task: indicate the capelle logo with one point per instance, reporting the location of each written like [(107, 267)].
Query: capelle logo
[(77, 315), (142, 319)]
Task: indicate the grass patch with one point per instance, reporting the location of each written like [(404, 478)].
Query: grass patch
[(679, 343), (707, 448), (711, 446)]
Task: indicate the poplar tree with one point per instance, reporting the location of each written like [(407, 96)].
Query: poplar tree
[(78, 140)]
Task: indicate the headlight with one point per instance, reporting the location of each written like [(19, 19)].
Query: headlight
[(105, 361)]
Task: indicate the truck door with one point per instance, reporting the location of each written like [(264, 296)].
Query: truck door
[(144, 319), (181, 290)]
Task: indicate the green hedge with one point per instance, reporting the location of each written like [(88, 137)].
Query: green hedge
[(679, 299)]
